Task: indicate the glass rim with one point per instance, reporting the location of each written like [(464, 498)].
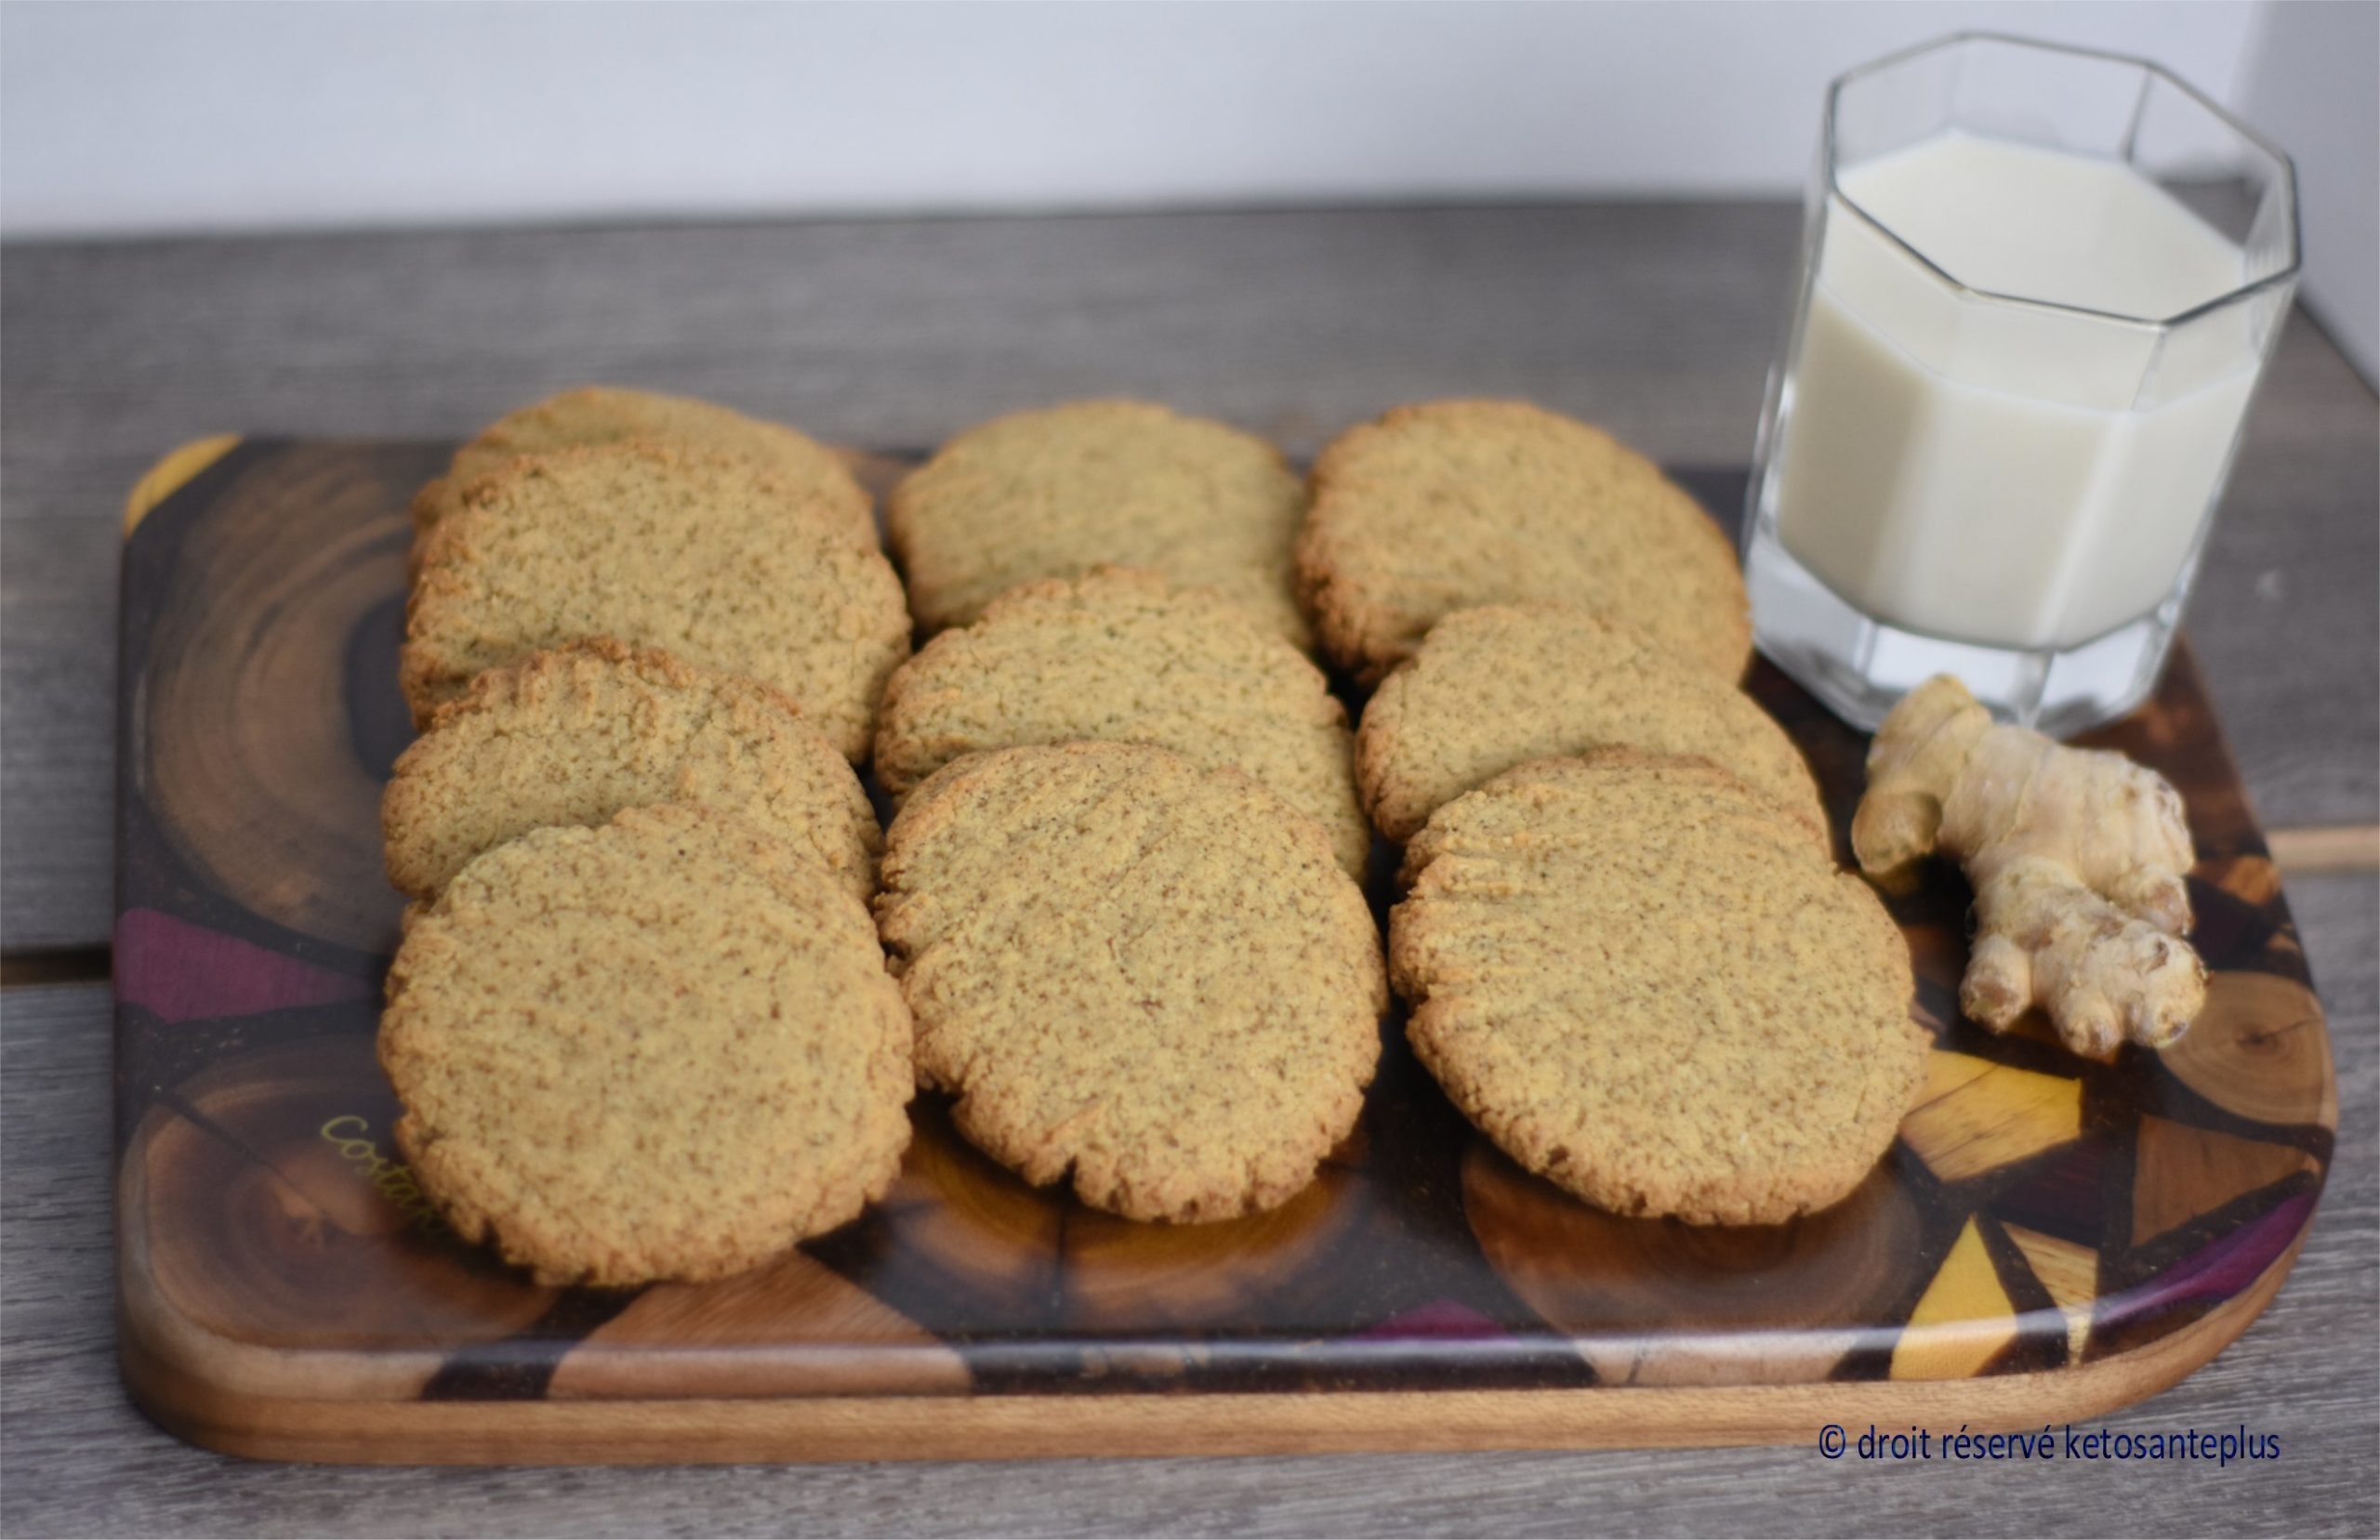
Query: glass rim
[(2285, 274)]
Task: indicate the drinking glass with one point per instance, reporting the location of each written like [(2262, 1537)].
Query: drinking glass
[(2012, 485)]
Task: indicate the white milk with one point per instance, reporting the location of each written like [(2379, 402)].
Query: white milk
[(2004, 475)]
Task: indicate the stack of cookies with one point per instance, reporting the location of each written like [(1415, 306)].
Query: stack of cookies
[(640, 1020), (1119, 905), (649, 641), (1123, 891), (1631, 959)]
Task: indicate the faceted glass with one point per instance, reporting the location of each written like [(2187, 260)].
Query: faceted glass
[(1992, 446)]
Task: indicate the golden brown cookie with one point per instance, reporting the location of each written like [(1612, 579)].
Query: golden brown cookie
[(572, 736), (666, 1048), (656, 546), (1150, 975), (1122, 656), (1640, 979), (1057, 492), (1500, 685), (609, 414), (1444, 505)]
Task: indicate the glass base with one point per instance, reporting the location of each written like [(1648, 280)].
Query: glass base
[(1859, 667)]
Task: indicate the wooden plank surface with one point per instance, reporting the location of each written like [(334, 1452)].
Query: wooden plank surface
[(80, 1461), (1657, 319)]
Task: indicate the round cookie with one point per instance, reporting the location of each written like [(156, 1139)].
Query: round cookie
[(1057, 492), (1154, 976), (572, 736), (1122, 656), (656, 546), (1641, 979), (1444, 505), (1502, 685), (666, 1048), (610, 413)]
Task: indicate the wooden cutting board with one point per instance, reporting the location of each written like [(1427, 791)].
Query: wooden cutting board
[(2049, 1239)]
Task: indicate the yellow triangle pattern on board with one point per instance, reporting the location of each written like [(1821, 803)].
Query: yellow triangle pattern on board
[(170, 474), (1964, 1318), (2070, 1272), (1976, 1115)]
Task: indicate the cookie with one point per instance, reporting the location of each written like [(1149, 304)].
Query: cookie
[(572, 736), (1057, 492), (1502, 685), (1150, 975), (656, 546), (1444, 505), (609, 414), (1122, 656), (665, 1049), (1641, 979)]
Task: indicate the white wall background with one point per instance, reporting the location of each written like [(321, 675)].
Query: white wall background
[(142, 118), (2312, 82)]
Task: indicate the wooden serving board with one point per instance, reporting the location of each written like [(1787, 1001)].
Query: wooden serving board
[(2049, 1239)]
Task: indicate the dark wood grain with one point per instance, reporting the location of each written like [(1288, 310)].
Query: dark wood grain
[(82, 1462), (1659, 318), (2049, 1239)]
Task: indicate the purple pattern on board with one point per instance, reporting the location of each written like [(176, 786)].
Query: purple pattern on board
[(185, 972), (1440, 1320), (2218, 1272)]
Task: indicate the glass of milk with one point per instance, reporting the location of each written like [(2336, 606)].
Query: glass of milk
[(2038, 286)]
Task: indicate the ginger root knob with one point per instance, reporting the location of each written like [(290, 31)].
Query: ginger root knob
[(2078, 859)]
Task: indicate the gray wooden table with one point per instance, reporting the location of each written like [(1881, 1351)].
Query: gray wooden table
[(1655, 319)]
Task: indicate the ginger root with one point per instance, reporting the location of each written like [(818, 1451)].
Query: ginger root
[(2077, 857)]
